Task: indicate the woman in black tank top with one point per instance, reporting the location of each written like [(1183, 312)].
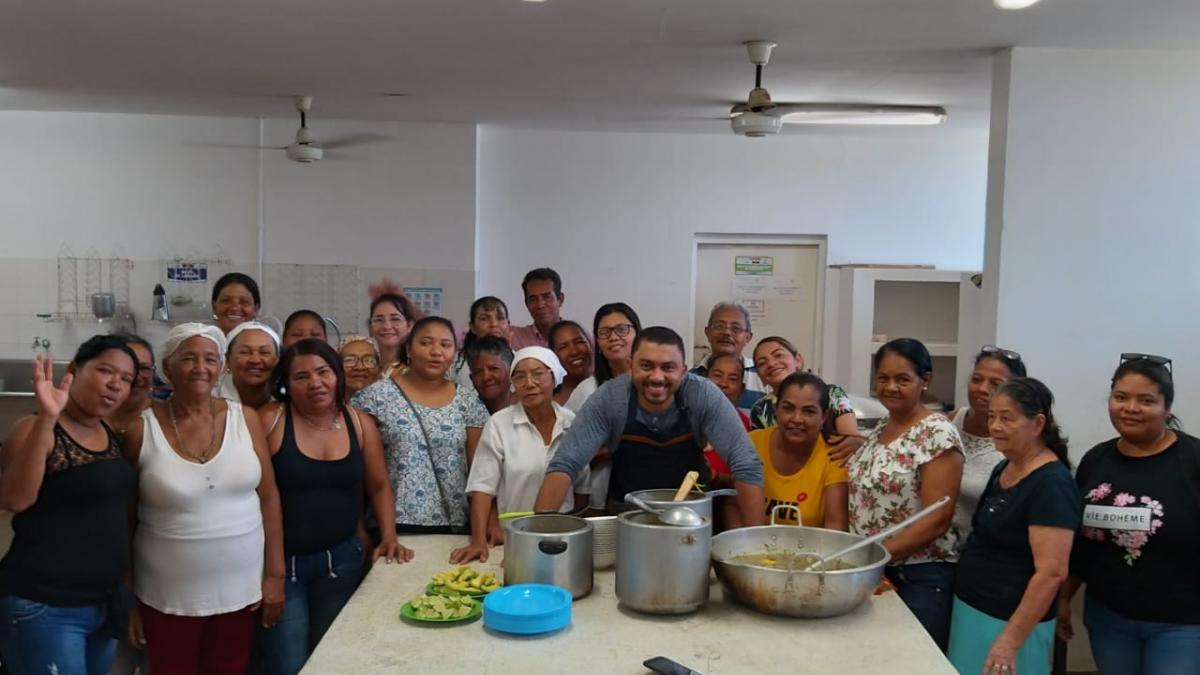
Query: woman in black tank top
[(326, 456), (63, 475)]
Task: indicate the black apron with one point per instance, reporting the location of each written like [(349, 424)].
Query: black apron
[(650, 460)]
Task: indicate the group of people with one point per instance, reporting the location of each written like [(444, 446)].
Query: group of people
[(280, 467)]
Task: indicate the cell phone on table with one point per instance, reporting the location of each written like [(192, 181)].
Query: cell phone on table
[(661, 664)]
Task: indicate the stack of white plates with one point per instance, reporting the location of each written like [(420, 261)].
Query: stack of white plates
[(604, 541)]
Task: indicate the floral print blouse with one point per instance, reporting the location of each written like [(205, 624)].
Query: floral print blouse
[(762, 413), (421, 473), (885, 486)]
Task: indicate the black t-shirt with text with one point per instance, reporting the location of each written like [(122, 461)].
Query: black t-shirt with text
[(997, 561), (1138, 549)]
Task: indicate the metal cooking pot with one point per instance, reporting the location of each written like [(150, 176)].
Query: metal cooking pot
[(700, 502), (662, 569), (797, 593), (549, 549)]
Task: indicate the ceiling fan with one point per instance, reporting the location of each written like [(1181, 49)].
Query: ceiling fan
[(760, 116), (305, 148)]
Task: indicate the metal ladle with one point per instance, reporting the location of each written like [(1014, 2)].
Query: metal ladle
[(679, 516), (879, 536)]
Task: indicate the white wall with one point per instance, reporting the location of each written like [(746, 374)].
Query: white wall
[(1098, 240), (149, 187), (615, 214)]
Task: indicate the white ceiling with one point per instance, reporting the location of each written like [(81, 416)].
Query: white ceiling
[(574, 64)]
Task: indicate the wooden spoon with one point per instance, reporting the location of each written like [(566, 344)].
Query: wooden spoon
[(689, 481)]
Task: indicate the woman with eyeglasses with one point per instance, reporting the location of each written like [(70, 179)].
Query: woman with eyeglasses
[(775, 358), (130, 412), (360, 358), (615, 326), (516, 445), (328, 460), (910, 460), (571, 345), (391, 320), (430, 427), (993, 367), (1016, 558), (1138, 548)]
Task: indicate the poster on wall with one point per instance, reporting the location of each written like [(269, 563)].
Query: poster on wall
[(754, 265), (427, 299), (187, 272)]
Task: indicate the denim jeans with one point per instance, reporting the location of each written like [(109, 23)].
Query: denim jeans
[(1123, 646), (928, 590), (316, 587), (37, 638)]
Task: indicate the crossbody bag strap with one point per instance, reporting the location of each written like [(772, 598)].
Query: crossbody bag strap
[(428, 451)]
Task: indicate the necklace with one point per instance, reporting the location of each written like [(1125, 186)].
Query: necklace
[(206, 455), (337, 423)]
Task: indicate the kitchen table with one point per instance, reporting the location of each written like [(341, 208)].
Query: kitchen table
[(881, 636)]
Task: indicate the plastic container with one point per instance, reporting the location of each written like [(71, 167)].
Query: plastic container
[(527, 609)]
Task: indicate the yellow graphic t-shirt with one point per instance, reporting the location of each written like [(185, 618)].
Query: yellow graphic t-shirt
[(805, 488)]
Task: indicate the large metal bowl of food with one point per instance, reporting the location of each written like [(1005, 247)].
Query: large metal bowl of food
[(764, 568)]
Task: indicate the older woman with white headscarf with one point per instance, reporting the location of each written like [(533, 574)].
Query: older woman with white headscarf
[(251, 355), (514, 448), (208, 549)]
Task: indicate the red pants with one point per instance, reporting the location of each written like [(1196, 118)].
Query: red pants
[(198, 645)]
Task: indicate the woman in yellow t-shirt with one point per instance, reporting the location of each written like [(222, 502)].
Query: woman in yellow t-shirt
[(796, 465)]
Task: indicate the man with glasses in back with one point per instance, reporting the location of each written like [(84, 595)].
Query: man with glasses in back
[(728, 332)]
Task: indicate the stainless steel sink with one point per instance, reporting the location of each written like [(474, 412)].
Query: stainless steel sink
[(16, 376)]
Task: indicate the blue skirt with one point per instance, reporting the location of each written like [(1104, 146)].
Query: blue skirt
[(972, 633)]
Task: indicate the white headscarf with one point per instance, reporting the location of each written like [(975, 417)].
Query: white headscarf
[(186, 331), (544, 355), (253, 325)]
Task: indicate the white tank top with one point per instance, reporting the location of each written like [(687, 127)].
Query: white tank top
[(198, 548)]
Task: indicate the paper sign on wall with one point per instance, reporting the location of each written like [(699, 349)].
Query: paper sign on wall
[(427, 299), (185, 272), (754, 265)]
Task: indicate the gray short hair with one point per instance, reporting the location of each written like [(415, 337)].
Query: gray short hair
[(731, 305)]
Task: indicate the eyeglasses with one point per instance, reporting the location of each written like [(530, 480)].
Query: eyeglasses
[(533, 375), (993, 350), (621, 329), (732, 328), (1152, 358), (381, 320), (351, 361)]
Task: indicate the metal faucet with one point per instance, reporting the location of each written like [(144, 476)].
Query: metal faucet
[(42, 343)]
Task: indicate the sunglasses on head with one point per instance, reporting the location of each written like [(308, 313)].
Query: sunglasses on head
[(1151, 358), (993, 350)]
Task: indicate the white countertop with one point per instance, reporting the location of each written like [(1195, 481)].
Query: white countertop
[(881, 636)]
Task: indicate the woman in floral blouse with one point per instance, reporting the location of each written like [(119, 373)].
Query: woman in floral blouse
[(430, 427), (1140, 540), (911, 459)]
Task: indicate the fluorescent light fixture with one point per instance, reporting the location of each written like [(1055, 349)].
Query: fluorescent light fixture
[(1013, 4), (860, 114)]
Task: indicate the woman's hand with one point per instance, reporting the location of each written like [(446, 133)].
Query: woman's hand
[(392, 551), (476, 550), (1064, 629), (272, 600), (1001, 658), (137, 633), (50, 399), (495, 533), (843, 446)]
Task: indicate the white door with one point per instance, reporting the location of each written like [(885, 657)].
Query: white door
[(780, 282)]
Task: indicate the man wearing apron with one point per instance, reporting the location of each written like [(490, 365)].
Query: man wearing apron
[(658, 417)]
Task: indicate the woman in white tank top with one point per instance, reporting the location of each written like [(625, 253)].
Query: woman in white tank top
[(208, 549)]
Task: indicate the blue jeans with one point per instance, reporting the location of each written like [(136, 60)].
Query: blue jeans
[(928, 590), (1123, 646), (37, 638), (316, 588)]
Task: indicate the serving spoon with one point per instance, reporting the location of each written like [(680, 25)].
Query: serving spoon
[(679, 516), (878, 536)]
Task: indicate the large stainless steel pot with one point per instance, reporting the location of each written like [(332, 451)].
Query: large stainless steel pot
[(700, 502), (662, 569), (797, 593), (549, 549)]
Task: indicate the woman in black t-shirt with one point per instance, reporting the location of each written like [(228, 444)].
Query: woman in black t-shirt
[(64, 476), (1017, 556), (1138, 548)]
